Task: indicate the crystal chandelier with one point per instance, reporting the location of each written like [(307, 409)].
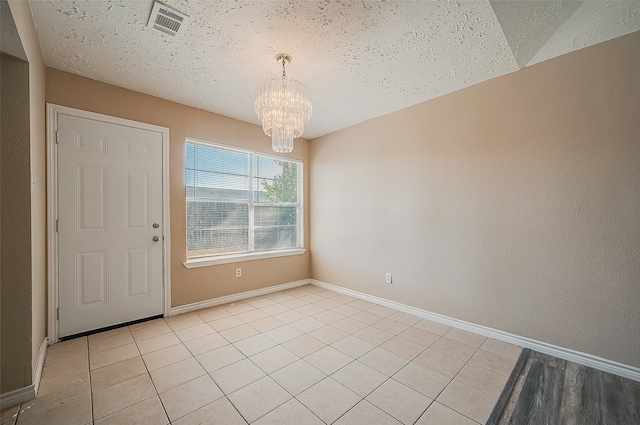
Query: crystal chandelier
[(283, 106)]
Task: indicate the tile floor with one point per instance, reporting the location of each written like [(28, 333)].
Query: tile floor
[(301, 356)]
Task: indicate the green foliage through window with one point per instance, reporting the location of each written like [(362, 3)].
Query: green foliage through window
[(283, 187)]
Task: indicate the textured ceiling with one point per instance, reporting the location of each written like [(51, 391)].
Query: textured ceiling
[(362, 59)]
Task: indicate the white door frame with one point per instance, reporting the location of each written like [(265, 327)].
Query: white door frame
[(53, 111)]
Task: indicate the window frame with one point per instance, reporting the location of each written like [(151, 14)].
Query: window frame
[(234, 257)]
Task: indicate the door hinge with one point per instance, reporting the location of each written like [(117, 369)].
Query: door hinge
[(58, 313), (57, 133), (57, 227)]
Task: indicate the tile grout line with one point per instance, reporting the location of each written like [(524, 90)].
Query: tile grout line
[(225, 395), (197, 361), (401, 383), (266, 374), (351, 362), (450, 381), (269, 374), (453, 379), (90, 382), (255, 308), (92, 392), (150, 378)]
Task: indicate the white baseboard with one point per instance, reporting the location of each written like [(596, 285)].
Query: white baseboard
[(595, 362), (237, 297), (37, 374), (27, 393), (19, 395)]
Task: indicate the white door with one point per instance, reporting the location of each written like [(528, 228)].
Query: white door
[(110, 224)]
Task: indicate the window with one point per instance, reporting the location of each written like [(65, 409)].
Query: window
[(240, 202)]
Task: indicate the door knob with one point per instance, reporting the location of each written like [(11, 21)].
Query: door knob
[(156, 225), (156, 238)]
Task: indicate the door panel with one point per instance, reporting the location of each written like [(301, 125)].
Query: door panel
[(138, 276), (136, 203), (92, 274), (91, 198), (109, 197)]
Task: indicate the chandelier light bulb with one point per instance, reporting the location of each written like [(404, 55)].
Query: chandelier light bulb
[(284, 106)]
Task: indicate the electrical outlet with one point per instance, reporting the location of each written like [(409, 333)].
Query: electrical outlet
[(238, 272), (387, 278)]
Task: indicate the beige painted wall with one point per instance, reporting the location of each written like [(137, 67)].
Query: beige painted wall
[(513, 204), (188, 285), (24, 304), (26, 29), (15, 242)]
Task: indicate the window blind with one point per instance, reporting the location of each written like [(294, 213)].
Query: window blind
[(240, 201)]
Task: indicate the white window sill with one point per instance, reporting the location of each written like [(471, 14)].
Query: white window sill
[(236, 258)]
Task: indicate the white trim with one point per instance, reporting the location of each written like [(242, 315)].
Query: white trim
[(235, 258), (37, 374), (585, 359), (52, 216), (19, 395), (237, 297), (53, 111), (254, 255), (166, 228), (301, 233)]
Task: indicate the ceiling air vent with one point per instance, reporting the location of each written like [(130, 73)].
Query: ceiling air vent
[(167, 20)]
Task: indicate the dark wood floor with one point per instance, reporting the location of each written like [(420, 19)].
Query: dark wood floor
[(545, 390)]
